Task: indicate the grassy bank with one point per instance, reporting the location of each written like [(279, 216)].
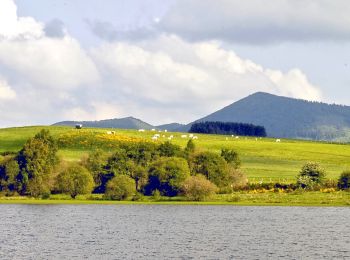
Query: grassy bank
[(297, 198), (262, 159)]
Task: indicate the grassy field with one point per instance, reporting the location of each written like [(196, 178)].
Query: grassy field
[(334, 198), (262, 159)]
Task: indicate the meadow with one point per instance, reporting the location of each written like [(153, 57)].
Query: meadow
[(262, 159)]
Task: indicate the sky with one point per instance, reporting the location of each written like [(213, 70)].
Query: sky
[(166, 61)]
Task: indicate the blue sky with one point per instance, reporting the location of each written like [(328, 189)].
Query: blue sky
[(166, 61)]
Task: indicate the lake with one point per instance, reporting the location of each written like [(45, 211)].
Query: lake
[(173, 232)]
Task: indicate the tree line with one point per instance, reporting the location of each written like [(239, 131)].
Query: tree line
[(228, 128), (131, 170)]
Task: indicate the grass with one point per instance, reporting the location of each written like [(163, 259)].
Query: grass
[(262, 159), (335, 198)]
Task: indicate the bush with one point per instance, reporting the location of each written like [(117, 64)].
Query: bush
[(344, 181), (166, 175), (231, 157), (120, 188), (212, 166), (75, 180), (238, 179), (198, 188), (311, 176)]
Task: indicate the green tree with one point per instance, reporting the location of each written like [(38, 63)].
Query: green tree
[(37, 159), (120, 188), (311, 174), (168, 149), (75, 180), (344, 180), (231, 157), (212, 166), (198, 188), (9, 170), (190, 147), (166, 175)]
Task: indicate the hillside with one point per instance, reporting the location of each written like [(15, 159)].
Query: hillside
[(261, 159), (175, 127), (288, 117), (121, 123)]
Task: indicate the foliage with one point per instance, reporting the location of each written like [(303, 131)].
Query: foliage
[(238, 180), (166, 175), (9, 170), (344, 181), (310, 175), (120, 188), (37, 159), (190, 147), (168, 149), (227, 128), (231, 157), (198, 188), (212, 166), (75, 180), (156, 196)]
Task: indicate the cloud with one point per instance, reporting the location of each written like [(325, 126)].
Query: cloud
[(55, 29), (159, 79), (258, 21), (13, 27), (181, 77), (6, 92)]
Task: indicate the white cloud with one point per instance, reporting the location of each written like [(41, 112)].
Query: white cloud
[(258, 21), (6, 92), (13, 27), (159, 79)]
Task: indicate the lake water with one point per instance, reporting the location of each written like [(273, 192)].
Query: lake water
[(173, 232)]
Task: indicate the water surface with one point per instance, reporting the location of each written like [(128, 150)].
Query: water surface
[(173, 232)]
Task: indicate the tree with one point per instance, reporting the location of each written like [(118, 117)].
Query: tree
[(311, 174), (37, 159), (168, 149), (9, 170), (190, 148), (166, 175), (75, 180), (231, 157), (96, 163), (344, 180), (237, 179), (212, 166), (198, 188), (120, 188)]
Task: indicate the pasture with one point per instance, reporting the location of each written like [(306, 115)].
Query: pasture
[(262, 159)]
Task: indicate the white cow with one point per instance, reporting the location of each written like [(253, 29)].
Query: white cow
[(109, 132), (278, 140), (154, 138), (141, 130), (195, 137), (183, 136), (191, 135), (153, 129)]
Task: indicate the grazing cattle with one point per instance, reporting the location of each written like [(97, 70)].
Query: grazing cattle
[(183, 136), (141, 130), (78, 126), (154, 138), (195, 137), (165, 130), (109, 132), (153, 129), (157, 135), (278, 140), (237, 137), (191, 135)]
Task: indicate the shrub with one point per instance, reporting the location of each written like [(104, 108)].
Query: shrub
[(311, 175), (166, 175), (75, 180), (212, 166), (120, 188), (344, 181), (231, 157), (168, 149), (198, 188), (156, 195), (238, 179)]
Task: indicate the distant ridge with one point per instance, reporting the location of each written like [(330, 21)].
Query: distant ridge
[(122, 123), (288, 117), (174, 127)]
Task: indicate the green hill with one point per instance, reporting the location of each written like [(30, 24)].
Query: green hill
[(261, 158), (287, 117), (122, 123)]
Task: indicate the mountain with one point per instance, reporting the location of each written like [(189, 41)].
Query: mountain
[(287, 117), (173, 127), (123, 123)]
